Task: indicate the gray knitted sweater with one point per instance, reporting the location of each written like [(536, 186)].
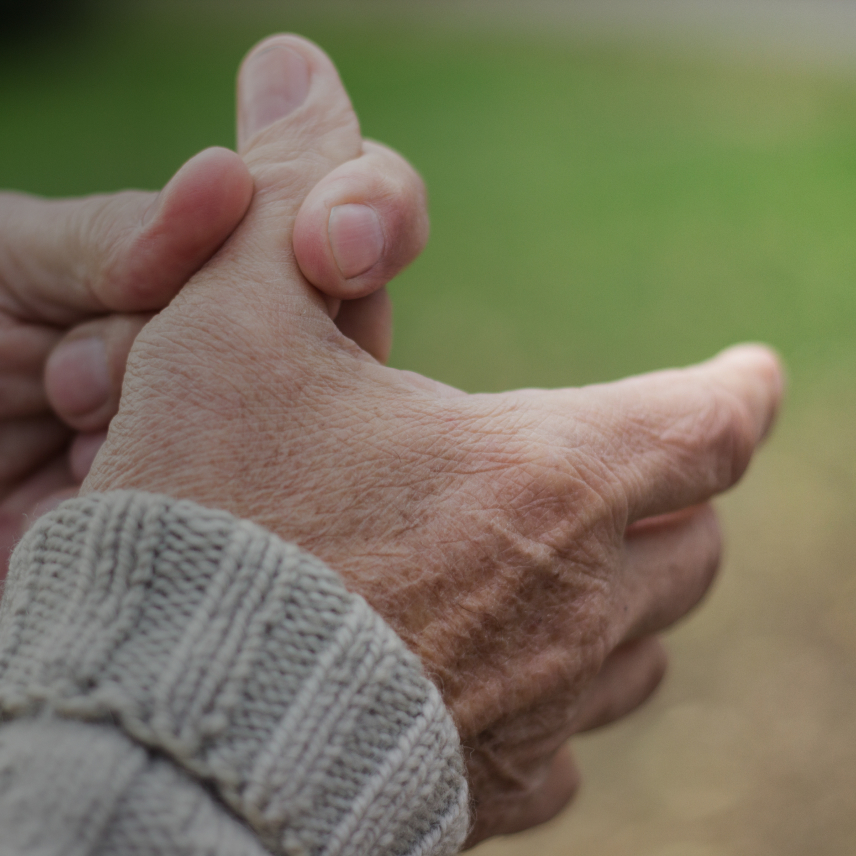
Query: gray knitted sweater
[(177, 682)]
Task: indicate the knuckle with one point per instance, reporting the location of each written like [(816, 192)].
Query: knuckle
[(734, 436), (403, 207), (411, 186), (554, 537), (278, 180), (106, 227), (721, 428), (575, 503), (402, 199)]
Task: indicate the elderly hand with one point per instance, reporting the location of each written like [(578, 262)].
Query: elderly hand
[(525, 545), (80, 278)]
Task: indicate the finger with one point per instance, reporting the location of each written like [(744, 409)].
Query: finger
[(503, 813), (296, 124), (82, 452), (23, 351), (368, 321), (362, 224), (669, 566), (292, 106), (63, 260), (84, 373), (26, 443), (627, 679), (676, 438)]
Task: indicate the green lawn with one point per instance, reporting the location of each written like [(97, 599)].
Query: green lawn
[(597, 210)]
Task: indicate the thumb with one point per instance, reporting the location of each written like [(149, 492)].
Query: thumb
[(296, 124), (292, 107)]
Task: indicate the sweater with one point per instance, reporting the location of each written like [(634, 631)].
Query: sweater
[(175, 681)]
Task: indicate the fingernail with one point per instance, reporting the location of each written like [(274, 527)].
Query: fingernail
[(356, 238), (78, 377), (273, 83)]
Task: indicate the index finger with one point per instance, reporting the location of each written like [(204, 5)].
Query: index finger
[(68, 259), (677, 438)]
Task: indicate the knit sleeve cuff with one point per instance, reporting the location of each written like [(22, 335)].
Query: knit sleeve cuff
[(245, 661)]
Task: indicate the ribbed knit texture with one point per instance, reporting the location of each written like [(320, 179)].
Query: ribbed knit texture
[(157, 658)]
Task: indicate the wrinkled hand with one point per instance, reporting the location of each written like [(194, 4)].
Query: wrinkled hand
[(65, 262), (507, 538), (80, 278)]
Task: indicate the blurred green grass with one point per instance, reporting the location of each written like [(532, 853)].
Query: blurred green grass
[(597, 209)]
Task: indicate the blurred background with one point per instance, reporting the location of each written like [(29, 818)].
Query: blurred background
[(616, 187)]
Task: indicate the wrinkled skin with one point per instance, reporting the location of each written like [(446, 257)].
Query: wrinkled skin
[(507, 538), (88, 273)]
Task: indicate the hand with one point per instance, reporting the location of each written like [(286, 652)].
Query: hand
[(525, 545), (65, 262), (80, 278)]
